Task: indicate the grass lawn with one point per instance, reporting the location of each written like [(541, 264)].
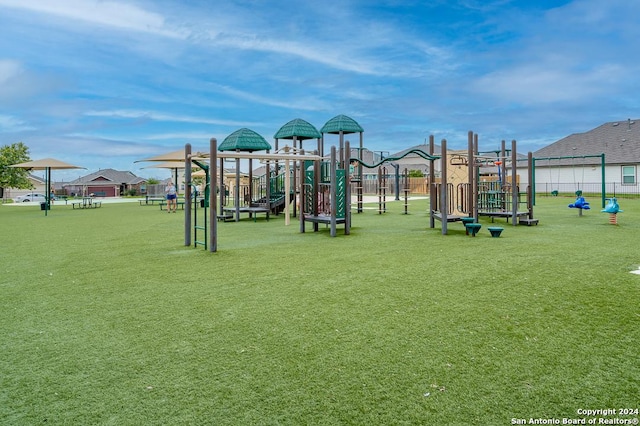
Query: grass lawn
[(107, 318)]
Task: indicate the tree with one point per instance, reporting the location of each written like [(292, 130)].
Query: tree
[(11, 177), (416, 173)]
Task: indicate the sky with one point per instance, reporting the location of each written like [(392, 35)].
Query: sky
[(102, 84)]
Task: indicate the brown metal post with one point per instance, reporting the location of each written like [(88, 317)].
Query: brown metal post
[(295, 177), (514, 184), (475, 180), (187, 195), (444, 202), (302, 195), (432, 183), (236, 191), (222, 190), (360, 176), (347, 207), (530, 184), (471, 170), (317, 171), (213, 208), (332, 190)]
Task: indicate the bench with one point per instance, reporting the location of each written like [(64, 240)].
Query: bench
[(178, 204), (151, 200)]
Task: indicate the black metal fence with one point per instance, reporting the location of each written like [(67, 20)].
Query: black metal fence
[(612, 189), (419, 186)]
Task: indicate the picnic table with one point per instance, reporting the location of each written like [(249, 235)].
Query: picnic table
[(151, 200), (86, 203)]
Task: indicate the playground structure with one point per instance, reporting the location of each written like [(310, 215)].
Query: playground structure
[(324, 185), (325, 195), (463, 191), (274, 189), (568, 162), (209, 205), (580, 203), (613, 209)]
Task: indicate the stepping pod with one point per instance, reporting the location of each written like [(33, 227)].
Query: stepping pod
[(495, 231), (465, 221), (473, 228)]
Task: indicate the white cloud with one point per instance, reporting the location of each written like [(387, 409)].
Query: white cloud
[(9, 124), (304, 105), (159, 116), (544, 83), (9, 69), (108, 13)]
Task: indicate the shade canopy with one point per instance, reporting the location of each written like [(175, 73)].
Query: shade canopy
[(46, 163), (167, 165), (173, 156), (244, 140), (341, 123), (299, 129)]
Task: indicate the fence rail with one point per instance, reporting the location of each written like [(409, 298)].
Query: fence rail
[(612, 189), (419, 186)]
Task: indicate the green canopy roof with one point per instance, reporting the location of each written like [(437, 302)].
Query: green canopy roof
[(244, 140), (341, 123), (298, 128)]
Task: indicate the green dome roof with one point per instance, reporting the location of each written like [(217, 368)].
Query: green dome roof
[(299, 128), (341, 123), (244, 140)]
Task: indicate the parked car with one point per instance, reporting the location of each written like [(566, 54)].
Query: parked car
[(30, 197)]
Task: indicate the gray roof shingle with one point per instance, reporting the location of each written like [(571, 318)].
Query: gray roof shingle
[(108, 175), (618, 140)]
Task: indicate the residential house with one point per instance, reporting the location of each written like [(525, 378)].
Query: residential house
[(107, 183), (575, 162), (37, 186), (414, 161)]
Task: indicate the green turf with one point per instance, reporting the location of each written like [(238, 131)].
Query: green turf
[(107, 318)]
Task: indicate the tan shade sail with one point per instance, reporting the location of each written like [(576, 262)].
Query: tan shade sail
[(46, 163), (166, 165), (169, 156)]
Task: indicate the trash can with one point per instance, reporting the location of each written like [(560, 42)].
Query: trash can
[(43, 205)]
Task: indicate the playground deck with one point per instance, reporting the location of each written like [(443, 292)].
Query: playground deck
[(450, 218), (322, 219), (504, 214), (253, 211)]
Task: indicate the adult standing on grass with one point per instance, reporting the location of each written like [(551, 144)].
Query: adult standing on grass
[(172, 197)]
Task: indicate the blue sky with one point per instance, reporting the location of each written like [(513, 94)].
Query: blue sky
[(104, 83)]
